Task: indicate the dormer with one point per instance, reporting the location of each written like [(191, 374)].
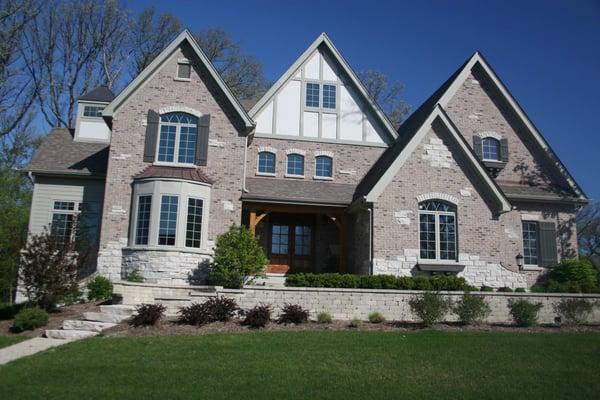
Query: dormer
[(90, 126)]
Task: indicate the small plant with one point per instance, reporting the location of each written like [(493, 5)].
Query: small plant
[(258, 317), (524, 312), (99, 288), (29, 319), (220, 308), (430, 307), (472, 309), (376, 318), (573, 311), (293, 314), (486, 289), (134, 276), (505, 289), (324, 318), (194, 314), (520, 290), (355, 323), (148, 314)]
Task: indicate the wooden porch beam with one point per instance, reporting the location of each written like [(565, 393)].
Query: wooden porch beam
[(293, 208)]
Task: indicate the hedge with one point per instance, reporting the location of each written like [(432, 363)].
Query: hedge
[(351, 281)]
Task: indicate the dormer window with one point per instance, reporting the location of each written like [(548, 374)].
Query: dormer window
[(184, 70), (178, 136), (93, 111)]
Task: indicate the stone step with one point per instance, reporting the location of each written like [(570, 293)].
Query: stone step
[(103, 317), (68, 335), (77, 325), (118, 309)]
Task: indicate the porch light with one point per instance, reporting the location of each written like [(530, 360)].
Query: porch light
[(519, 260)]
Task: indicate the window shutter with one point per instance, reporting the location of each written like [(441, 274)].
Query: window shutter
[(548, 252), (202, 142), (151, 136), (504, 150), (477, 147)]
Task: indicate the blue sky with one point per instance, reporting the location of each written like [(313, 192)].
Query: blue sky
[(546, 52)]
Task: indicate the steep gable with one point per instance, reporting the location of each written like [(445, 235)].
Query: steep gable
[(320, 98)]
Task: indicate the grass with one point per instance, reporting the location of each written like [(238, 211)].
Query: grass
[(300, 365), (6, 341)]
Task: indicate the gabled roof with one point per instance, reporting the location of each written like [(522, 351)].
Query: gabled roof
[(59, 154), (406, 145), (184, 36), (323, 40), (101, 94)]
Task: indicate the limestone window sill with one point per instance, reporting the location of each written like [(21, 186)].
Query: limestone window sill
[(182, 79), (322, 178), (294, 176), (168, 249), (531, 268), (265, 174), (440, 265)]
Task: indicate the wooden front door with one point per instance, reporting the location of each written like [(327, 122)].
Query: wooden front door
[(291, 244)]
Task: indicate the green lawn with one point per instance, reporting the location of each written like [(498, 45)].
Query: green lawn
[(6, 341), (309, 365)]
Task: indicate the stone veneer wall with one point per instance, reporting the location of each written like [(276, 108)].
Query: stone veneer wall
[(342, 304), (166, 266)]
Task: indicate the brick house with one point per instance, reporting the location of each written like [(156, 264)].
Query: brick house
[(467, 185)]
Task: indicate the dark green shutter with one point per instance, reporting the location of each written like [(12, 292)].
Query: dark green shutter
[(504, 150), (477, 147), (151, 136), (202, 142), (547, 237)]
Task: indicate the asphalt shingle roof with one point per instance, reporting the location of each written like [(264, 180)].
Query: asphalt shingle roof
[(101, 93), (159, 171), (298, 191)]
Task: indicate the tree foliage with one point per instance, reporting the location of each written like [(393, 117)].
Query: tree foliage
[(387, 94), (588, 230)]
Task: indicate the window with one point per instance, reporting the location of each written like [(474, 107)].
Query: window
[(184, 70), (178, 136), (329, 96), (323, 167), (295, 165), (302, 238), (168, 220), (193, 231), (437, 230), (266, 162), (530, 243), (62, 222), (92, 111), (279, 239), (64, 216), (490, 149), (312, 95), (142, 228)]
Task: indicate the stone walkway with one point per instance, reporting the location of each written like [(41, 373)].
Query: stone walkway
[(27, 348)]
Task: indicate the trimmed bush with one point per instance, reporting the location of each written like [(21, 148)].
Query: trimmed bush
[(573, 311), (472, 309), (29, 319), (99, 288), (429, 307), (505, 289), (134, 276), (194, 314), (324, 318), (293, 314), (486, 289), (212, 310), (258, 317), (376, 318), (351, 281), (523, 312), (520, 290), (570, 276), (355, 323), (148, 314)]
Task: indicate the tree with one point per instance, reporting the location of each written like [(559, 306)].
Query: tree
[(387, 95), (588, 230)]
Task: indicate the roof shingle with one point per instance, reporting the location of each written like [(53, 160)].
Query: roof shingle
[(298, 191), (101, 94), (188, 174)]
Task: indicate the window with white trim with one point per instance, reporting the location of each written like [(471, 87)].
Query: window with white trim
[(93, 111), (266, 162), (167, 230), (530, 242), (490, 149), (295, 164), (193, 233), (323, 167), (178, 135), (329, 96), (63, 217), (312, 94), (65, 214), (184, 70), (437, 230), (142, 229)]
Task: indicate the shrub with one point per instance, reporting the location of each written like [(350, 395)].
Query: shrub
[(29, 319), (258, 317), (212, 310), (524, 312), (324, 318), (570, 276), (293, 314), (336, 280), (134, 276), (194, 314), (487, 289), (99, 288), (573, 311), (472, 309), (520, 290), (355, 323), (505, 289), (237, 256), (376, 318), (430, 307), (147, 314)]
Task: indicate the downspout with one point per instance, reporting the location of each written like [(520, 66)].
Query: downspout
[(244, 190), (370, 210)]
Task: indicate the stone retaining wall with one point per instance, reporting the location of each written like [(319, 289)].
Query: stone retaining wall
[(343, 304)]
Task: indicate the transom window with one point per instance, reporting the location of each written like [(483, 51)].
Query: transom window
[(530, 242), (93, 111), (490, 149), (329, 96), (312, 95), (142, 228), (295, 164), (323, 167), (437, 230), (178, 137), (168, 220), (194, 223), (266, 162)]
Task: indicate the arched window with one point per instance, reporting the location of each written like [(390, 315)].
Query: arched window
[(323, 167), (437, 230), (490, 149), (178, 137), (295, 164), (266, 162)]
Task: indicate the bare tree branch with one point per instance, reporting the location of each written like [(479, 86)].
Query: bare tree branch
[(387, 95)]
